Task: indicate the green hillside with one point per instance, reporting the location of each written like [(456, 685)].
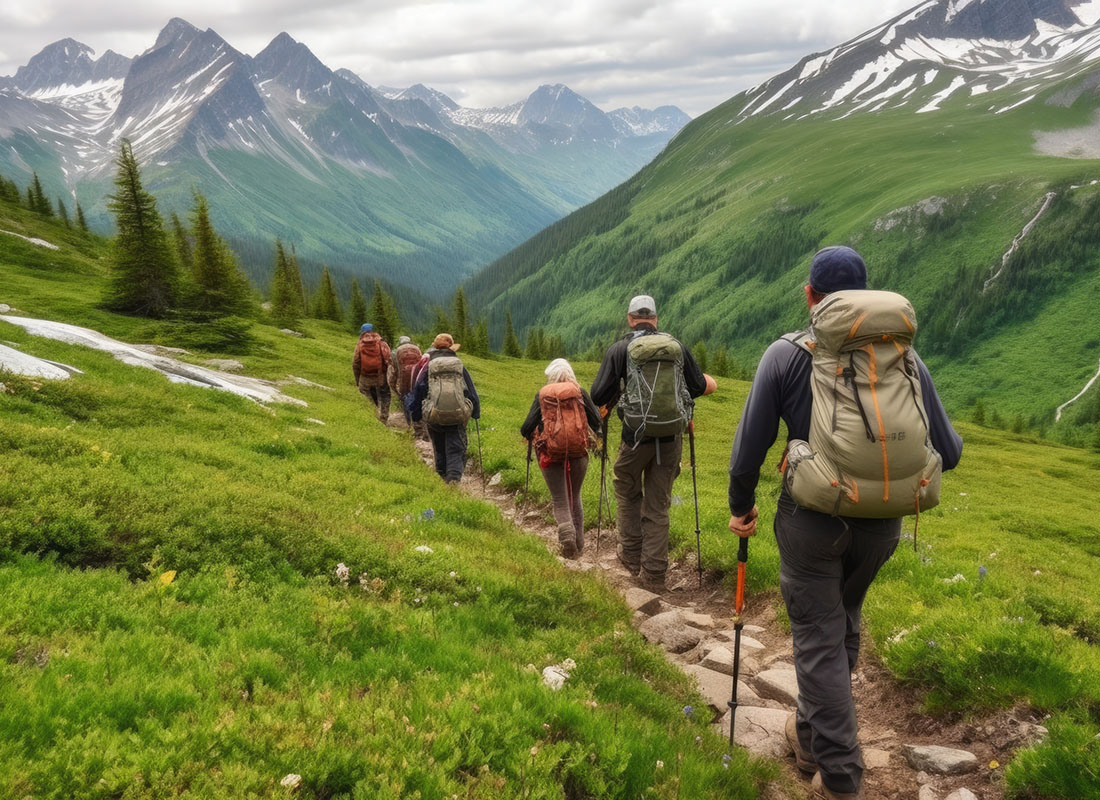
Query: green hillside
[(720, 228), (174, 625)]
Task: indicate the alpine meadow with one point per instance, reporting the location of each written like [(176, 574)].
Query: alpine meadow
[(232, 566)]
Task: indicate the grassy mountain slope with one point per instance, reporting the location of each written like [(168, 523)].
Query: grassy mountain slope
[(720, 229), (173, 624)]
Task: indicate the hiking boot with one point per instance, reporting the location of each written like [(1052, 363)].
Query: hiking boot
[(631, 568), (802, 759), (651, 582), (569, 549), (819, 791)]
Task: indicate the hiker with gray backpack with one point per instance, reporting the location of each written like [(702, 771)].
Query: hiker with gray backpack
[(868, 440), (560, 426), (444, 397), (653, 380)]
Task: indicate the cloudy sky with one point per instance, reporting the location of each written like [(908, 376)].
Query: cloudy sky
[(691, 53)]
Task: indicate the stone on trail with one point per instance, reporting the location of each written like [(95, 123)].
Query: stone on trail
[(638, 599), (668, 630), (876, 759), (496, 479), (719, 659), (940, 760), (759, 730), (747, 642), (927, 793), (753, 629), (702, 621), (962, 794), (778, 684), (5, 308), (716, 687)]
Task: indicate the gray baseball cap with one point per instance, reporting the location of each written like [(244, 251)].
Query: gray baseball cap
[(642, 306)]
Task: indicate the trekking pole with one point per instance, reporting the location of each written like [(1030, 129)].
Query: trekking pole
[(739, 623), (603, 483), (695, 492), (480, 461), (527, 483)]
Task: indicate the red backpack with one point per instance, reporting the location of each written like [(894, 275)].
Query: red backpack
[(408, 356), (373, 354), (564, 422)]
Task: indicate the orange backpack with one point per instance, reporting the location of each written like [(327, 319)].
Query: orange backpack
[(408, 356), (564, 423), (373, 354)]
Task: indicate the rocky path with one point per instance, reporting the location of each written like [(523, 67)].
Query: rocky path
[(908, 755)]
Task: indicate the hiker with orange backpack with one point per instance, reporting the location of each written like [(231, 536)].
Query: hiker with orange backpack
[(867, 442), (371, 364), (560, 423), (404, 360)]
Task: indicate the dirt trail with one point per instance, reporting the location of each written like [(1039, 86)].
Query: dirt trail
[(889, 713)]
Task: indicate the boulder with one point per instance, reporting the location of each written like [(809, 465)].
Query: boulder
[(719, 659), (778, 684), (646, 602), (927, 793), (758, 730), (669, 630), (747, 642), (716, 687), (496, 479), (5, 308), (940, 760), (703, 622)]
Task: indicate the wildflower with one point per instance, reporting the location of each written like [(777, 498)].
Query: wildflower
[(660, 765), (452, 574), (994, 764), (726, 759), (932, 643), (688, 711), (424, 549), (534, 751), (982, 572), (427, 514), (342, 573), (455, 604), (364, 581), (291, 781), (479, 588)]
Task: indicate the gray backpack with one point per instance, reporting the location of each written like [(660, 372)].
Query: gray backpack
[(869, 453), (446, 403), (655, 402)]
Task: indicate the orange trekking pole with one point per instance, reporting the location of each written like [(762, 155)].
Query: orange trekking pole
[(739, 623)]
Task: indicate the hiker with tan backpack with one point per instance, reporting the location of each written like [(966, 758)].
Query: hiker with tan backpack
[(561, 424), (444, 397), (868, 440), (370, 363)]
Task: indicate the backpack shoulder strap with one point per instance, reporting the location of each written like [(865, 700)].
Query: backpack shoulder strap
[(800, 339)]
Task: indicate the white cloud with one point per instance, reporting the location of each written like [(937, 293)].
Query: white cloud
[(691, 53)]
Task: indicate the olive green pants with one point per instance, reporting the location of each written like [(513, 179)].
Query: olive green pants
[(644, 474)]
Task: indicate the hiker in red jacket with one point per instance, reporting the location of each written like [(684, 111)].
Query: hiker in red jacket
[(560, 424), (371, 364)]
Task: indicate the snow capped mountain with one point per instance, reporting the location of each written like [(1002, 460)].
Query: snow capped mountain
[(940, 51), (68, 63), (643, 122)]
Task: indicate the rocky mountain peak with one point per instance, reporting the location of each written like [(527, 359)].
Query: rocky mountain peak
[(64, 62)]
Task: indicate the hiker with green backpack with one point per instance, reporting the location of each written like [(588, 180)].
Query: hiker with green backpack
[(560, 424), (867, 442), (444, 397), (653, 380)]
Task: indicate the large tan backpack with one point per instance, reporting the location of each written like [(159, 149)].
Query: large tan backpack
[(446, 403), (869, 453)]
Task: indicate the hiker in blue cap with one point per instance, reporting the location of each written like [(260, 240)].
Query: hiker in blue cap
[(828, 561), (371, 365)]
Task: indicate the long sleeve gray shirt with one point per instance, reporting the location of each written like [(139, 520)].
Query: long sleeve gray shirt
[(781, 391)]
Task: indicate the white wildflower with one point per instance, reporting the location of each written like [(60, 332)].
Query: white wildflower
[(660, 765), (364, 581), (424, 549), (342, 573), (291, 781)]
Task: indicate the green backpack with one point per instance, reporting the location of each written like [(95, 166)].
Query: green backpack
[(446, 403), (869, 453), (655, 402)]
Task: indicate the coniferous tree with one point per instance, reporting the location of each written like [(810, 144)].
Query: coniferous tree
[(221, 287), (700, 353), (358, 307), (462, 323), (719, 363), (63, 213), (181, 241), (144, 278), (326, 306), (296, 276), (285, 296), (30, 198), (383, 314), (9, 191), (81, 222), (39, 201), (511, 342), (536, 344), (441, 323), (479, 339)]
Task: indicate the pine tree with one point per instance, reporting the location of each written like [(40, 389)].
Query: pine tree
[(144, 277), (462, 324), (221, 287), (285, 296), (511, 343), (536, 344), (30, 198), (63, 213), (358, 307), (81, 222), (326, 306), (182, 243), (383, 314), (440, 322), (700, 353), (296, 277), (479, 339), (39, 202), (9, 191), (719, 363)]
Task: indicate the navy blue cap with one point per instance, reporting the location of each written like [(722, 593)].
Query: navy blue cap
[(367, 327), (835, 269)]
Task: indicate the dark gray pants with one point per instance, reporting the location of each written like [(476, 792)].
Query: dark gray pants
[(644, 474), (449, 447), (379, 394), (826, 566), (566, 494)]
